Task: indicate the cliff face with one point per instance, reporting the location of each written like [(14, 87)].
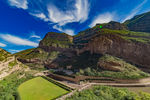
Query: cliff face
[(53, 49), (139, 23), (134, 52)]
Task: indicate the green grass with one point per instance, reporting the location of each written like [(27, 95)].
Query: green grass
[(12, 64), (39, 89), (125, 32), (9, 85)]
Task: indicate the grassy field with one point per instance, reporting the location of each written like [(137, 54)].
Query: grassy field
[(39, 89)]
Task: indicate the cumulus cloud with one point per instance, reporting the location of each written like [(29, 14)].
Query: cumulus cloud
[(2, 45), (102, 18), (19, 3), (17, 40), (135, 11)]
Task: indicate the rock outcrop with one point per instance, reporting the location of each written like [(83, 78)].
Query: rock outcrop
[(134, 52)]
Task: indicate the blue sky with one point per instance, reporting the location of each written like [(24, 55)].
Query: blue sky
[(23, 23)]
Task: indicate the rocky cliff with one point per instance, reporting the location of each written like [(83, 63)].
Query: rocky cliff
[(53, 49), (62, 50), (134, 52)]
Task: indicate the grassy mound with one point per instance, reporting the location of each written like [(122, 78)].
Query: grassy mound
[(39, 89)]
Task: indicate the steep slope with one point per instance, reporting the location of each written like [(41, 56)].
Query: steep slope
[(57, 50), (131, 46), (8, 64), (3, 54), (51, 50), (139, 23)]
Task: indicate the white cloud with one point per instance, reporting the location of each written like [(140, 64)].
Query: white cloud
[(42, 16), (135, 11), (19, 3), (2, 45), (68, 31), (60, 18), (17, 40), (102, 18), (35, 36), (79, 14)]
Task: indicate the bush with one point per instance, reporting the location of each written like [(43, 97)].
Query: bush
[(144, 96), (9, 85), (104, 93)]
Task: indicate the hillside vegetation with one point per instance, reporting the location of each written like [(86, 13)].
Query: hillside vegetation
[(113, 67), (4, 54), (108, 93), (9, 85)]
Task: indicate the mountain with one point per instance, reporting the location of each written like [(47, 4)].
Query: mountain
[(139, 23), (54, 45), (59, 50)]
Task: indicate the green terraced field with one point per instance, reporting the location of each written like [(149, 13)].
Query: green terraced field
[(40, 89)]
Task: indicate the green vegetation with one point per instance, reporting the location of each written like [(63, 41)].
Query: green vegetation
[(37, 53), (125, 33), (40, 89), (107, 93), (24, 52), (9, 85), (133, 39), (57, 83), (57, 40), (4, 54), (129, 35), (12, 64), (126, 70)]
